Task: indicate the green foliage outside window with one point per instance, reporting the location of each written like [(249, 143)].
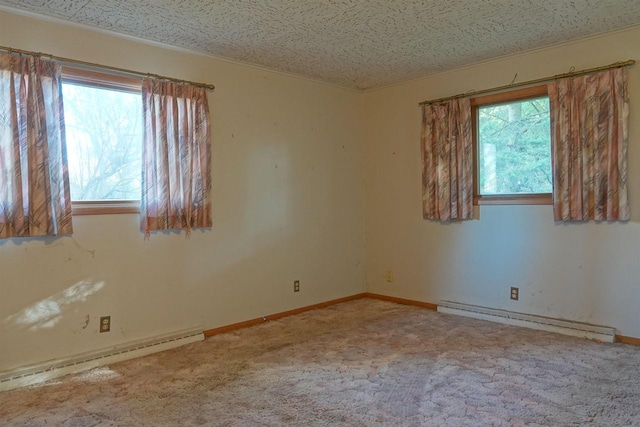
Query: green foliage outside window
[(514, 144)]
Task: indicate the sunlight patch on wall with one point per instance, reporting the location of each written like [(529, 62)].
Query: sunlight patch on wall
[(47, 313)]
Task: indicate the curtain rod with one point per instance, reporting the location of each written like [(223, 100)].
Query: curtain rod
[(98, 67), (628, 63)]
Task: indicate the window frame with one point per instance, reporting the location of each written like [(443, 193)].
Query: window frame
[(101, 80), (501, 98)]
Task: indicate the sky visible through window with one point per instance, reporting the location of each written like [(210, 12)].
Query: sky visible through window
[(104, 142)]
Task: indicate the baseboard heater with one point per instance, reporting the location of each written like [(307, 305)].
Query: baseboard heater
[(34, 374), (576, 329)]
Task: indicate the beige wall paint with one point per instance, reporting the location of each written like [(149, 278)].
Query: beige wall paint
[(287, 205), (583, 272)]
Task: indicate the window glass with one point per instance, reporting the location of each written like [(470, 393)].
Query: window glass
[(514, 148), (104, 140)]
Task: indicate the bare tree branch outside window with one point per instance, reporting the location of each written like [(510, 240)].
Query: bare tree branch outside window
[(104, 140)]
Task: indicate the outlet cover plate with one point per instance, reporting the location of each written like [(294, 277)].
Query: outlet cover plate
[(105, 324)]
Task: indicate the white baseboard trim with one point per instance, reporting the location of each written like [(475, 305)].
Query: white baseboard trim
[(33, 374), (576, 329)]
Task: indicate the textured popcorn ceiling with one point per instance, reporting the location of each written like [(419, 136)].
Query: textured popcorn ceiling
[(355, 43)]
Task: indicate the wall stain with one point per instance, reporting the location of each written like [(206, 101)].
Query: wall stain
[(86, 321)]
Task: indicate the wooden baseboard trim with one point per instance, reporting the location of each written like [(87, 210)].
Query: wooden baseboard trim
[(628, 340), (215, 331), (428, 305)]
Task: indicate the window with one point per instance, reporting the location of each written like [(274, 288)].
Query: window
[(103, 120), (512, 146)]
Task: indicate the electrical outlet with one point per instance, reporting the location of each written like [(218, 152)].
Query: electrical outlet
[(389, 276), (296, 286), (105, 324), (515, 293)]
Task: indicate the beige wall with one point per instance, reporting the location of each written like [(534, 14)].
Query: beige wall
[(287, 205), (584, 272)]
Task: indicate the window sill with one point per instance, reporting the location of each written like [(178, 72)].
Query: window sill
[(524, 199), (105, 207)]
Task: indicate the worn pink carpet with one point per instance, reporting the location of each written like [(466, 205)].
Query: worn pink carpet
[(361, 363)]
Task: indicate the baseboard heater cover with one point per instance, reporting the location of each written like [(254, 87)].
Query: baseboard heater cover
[(34, 374), (576, 329)]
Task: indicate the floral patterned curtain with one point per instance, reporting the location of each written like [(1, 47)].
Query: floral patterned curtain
[(589, 129), (34, 177), (447, 161), (176, 171)]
